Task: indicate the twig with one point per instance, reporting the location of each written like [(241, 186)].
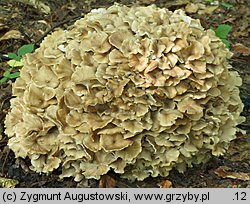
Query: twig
[(5, 160)]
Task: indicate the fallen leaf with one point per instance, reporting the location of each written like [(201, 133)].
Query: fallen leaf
[(107, 182), (200, 8), (191, 8), (222, 172), (38, 5), (166, 184), (208, 10), (12, 34), (242, 49), (8, 183)]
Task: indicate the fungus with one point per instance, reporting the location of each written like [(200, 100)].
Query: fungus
[(138, 90)]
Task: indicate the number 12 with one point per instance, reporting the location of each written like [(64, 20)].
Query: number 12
[(241, 196)]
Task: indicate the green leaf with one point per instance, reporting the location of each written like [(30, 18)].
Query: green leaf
[(25, 49), (6, 74), (13, 56), (209, 1), (226, 5), (14, 75), (226, 42), (3, 80), (14, 63), (223, 30)]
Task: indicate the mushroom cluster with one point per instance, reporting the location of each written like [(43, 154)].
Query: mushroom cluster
[(138, 90)]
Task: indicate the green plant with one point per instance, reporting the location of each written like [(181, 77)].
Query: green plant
[(209, 1), (226, 5), (15, 61), (223, 4), (222, 32)]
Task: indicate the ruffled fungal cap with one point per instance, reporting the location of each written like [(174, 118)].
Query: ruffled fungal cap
[(138, 90)]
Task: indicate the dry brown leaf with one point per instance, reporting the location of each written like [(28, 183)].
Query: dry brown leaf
[(208, 10), (222, 172), (12, 34), (107, 182), (200, 8), (166, 184), (191, 8), (242, 49)]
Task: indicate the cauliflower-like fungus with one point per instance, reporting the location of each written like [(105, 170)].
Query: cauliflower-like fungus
[(138, 90)]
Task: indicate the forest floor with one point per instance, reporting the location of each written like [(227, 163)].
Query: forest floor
[(22, 22)]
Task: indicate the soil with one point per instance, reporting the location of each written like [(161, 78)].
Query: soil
[(231, 170)]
